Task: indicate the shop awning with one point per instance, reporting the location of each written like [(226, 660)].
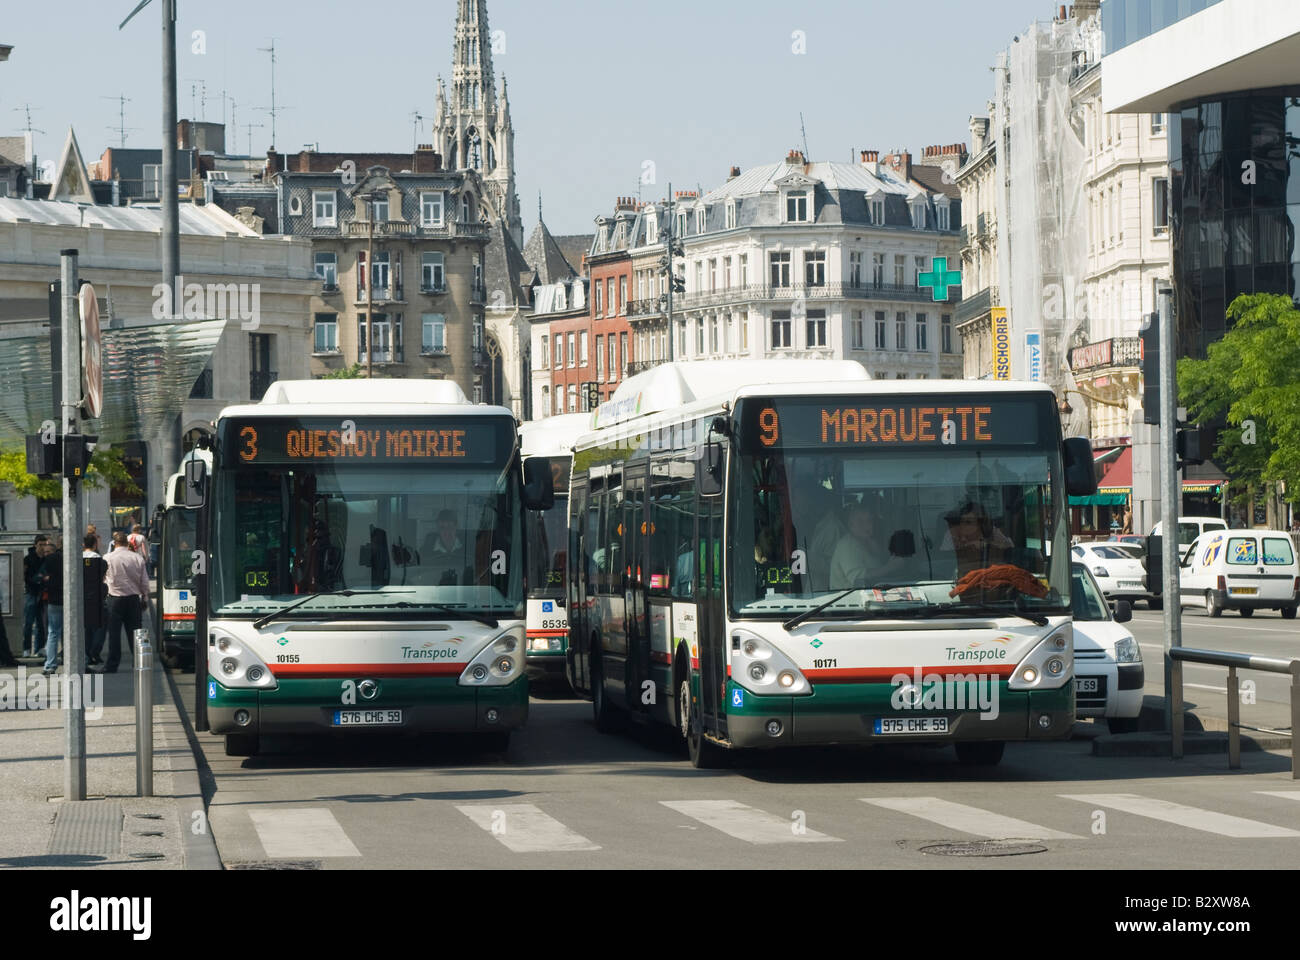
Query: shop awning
[(149, 371), (1109, 499), (1119, 478)]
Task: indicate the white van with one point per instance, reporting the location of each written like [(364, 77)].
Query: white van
[(1189, 528), (1241, 570)]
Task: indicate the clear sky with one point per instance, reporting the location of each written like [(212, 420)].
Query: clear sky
[(597, 87)]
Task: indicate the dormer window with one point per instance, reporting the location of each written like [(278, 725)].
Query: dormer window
[(876, 211), (942, 217), (464, 208), (381, 210), (731, 214), (796, 206), (699, 220), (651, 229), (681, 224), (918, 216), (621, 235)]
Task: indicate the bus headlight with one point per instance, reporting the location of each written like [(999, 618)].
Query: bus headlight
[(760, 666), (493, 665), (240, 667), (1049, 664)]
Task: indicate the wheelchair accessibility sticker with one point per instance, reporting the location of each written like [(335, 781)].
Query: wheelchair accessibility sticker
[(212, 690), (737, 697), (548, 606)]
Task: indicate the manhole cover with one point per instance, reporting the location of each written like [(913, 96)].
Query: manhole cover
[(984, 848), (274, 865)]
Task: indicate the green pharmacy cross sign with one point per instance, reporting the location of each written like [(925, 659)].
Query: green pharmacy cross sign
[(939, 277)]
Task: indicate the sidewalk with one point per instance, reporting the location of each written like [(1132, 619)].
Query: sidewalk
[(113, 827)]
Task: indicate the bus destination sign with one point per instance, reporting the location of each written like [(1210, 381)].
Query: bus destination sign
[(291, 440), (888, 422)]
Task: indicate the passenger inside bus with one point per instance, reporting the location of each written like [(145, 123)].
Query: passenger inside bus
[(858, 555), (975, 541), (444, 551)]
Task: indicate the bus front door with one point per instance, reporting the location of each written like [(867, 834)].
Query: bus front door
[(712, 624)]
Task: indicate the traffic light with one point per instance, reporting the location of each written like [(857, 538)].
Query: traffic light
[(1149, 351), (1193, 446)]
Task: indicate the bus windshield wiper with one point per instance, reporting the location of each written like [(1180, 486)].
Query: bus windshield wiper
[(809, 614), (481, 618), (260, 622), (984, 609)]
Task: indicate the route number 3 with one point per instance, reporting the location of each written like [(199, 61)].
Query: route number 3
[(249, 436)]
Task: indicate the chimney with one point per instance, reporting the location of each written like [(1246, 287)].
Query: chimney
[(870, 156), (274, 163), (795, 158), (426, 160), (735, 172), (183, 135), (624, 203), (900, 163)]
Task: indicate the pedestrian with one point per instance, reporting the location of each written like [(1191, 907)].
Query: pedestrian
[(99, 544), (33, 614), (128, 595), (1128, 520), (137, 542), (95, 598), (51, 575)]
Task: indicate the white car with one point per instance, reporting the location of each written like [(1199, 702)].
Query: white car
[(1189, 528), (1119, 573), (1108, 672)]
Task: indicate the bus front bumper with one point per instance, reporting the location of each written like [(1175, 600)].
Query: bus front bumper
[(428, 705), (846, 713)]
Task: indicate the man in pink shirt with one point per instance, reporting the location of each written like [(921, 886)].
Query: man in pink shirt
[(128, 597)]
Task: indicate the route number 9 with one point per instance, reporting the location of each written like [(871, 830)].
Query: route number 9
[(770, 427)]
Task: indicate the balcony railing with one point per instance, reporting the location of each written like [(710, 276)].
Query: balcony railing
[(389, 355), (640, 366), (639, 308), (826, 291), (390, 293), (1103, 354), (433, 291), (389, 228), (479, 358), (327, 287), (477, 293), (259, 381), (976, 304)]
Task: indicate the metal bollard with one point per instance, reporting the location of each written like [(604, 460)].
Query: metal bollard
[(143, 714)]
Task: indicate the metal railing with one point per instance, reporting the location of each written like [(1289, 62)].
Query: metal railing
[(1234, 662), (818, 291), (259, 381)]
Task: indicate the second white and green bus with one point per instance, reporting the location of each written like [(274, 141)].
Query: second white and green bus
[(770, 554), (549, 441), (366, 564)]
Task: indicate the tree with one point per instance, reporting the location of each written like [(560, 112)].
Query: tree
[(105, 467), (353, 372), (1251, 380)]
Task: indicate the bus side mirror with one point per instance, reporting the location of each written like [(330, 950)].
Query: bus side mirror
[(708, 470), (196, 484), (539, 485), (1080, 475)]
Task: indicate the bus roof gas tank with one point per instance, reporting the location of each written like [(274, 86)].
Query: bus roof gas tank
[(365, 391)]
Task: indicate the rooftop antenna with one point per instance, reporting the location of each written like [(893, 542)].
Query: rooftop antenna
[(271, 51), (250, 127), (804, 133), (27, 109), (122, 101), (417, 121)]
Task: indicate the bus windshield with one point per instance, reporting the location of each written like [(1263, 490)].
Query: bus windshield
[(548, 537), (401, 533), (896, 519), (178, 528)]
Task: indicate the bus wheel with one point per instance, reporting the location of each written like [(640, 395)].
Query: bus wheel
[(241, 745), (705, 755), (980, 753), (498, 742), (603, 712)]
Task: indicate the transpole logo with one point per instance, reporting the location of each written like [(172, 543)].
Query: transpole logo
[(975, 651), (76, 913)]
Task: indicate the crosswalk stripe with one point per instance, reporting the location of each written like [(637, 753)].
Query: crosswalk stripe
[(1207, 821), (1284, 794), (958, 816), (747, 823), (301, 832), (524, 828)]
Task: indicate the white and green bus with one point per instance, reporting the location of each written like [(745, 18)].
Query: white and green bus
[(177, 536), (768, 554), (366, 564), (550, 442)]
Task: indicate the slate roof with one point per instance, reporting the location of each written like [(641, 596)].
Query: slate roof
[(544, 255), (504, 267), (209, 221)]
